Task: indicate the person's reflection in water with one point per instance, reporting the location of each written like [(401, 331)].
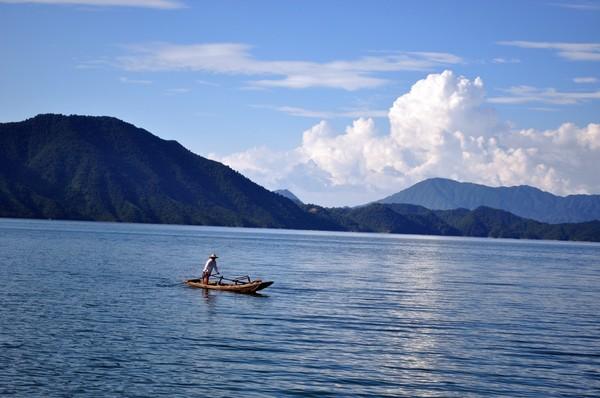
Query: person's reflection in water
[(210, 301)]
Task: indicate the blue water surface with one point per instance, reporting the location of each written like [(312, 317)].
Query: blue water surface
[(98, 309)]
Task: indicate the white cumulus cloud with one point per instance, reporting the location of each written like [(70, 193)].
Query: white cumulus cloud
[(440, 128)]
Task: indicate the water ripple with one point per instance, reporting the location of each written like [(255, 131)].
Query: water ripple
[(99, 309)]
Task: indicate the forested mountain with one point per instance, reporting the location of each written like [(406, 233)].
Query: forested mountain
[(101, 168), (524, 201)]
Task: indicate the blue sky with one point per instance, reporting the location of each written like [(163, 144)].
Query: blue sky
[(241, 80)]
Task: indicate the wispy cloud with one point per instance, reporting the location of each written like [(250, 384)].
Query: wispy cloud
[(527, 94), (543, 109), (236, 59), (570, 51), (318, 114), (501, 60), (206, 83), (585, 80), (161, 4), (579, 6), (177, 91), (127, 80)]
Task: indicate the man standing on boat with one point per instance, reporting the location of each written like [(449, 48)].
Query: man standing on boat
[(208, 268)]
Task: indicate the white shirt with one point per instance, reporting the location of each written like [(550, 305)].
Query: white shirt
[(210, 265)]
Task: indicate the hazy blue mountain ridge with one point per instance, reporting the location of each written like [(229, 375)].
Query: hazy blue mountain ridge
[(288, 194), (524, 201)]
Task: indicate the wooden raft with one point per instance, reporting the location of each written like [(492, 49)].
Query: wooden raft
[(237, 286)]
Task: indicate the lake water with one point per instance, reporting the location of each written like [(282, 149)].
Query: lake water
[(98, 309)]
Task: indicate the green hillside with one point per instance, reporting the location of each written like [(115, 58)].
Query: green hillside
[(101, 168)]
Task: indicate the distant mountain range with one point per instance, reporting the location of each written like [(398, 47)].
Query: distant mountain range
[(481, 222), (524, 201), (287, 194), (101, 168)]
